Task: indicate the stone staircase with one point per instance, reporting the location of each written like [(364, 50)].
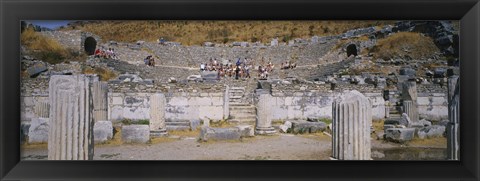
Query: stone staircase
[(394, 113), (180, 125), (241, 110)]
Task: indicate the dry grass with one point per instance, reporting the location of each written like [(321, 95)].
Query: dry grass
[(439, 142), (404, 44), (194, 133), (197, 32), (221, 124), (377, 125), (34, 146), (46, 49), (115, 141), (161, 140), (104, 73)]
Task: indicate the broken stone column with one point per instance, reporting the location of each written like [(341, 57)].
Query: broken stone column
[(264, 113), (42, 109), (71, 125), (100, 104), (453, 126), (157, 115), (410, 108), (352, 117), (387, 109), (409, 93), (226, 103)]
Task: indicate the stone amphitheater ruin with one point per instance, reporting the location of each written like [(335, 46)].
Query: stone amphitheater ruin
[(174, 95)]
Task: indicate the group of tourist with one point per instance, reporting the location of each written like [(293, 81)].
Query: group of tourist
[(241, 69), (265, 70), (108, 54), (149, 61), (288, 65)]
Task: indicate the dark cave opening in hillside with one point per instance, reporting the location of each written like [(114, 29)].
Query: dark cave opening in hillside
[(351, 50), (90, 45)]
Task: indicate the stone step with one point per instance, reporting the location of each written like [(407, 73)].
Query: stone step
[(236, 91), (178, 128), (239, 104), (243, 116), (235, 97), (237, 88), (234, 108), (177, 123), (244, 111), (243, 121)]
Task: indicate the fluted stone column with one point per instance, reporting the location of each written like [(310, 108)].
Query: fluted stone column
[(352, 117), (42, 109), (264, 113), (226, 103), (157, 115), (387, 109), (410, 108), (100, 104), (71, 124), (453, 126), (409, 93)]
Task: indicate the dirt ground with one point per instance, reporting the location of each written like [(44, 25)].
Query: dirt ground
[(278, 147), (184, 146)]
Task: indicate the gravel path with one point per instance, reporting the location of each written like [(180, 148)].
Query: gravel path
[(279, 147)]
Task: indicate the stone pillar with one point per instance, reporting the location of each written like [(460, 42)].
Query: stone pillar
[(100, 104), (226, 103), (409, 93), (264, 113), (410, 108), (387, 109), (453, 126), (42, 109), (157, 115), (352, 118), (71, 125)]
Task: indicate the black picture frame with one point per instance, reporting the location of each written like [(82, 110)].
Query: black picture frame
[(467, 11)]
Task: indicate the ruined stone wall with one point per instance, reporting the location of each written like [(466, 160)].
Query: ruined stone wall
[(315, 101), (200, 100), (70, 39), (33, 92), (433, 106), (184, 102), (73, 39)]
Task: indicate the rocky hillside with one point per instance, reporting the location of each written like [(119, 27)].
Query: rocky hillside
[(197, 32)]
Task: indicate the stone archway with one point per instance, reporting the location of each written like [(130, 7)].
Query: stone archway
[(90, 45), (352, 50)]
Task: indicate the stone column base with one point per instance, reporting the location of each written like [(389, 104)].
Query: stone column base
[(265, 131), (158, 133)]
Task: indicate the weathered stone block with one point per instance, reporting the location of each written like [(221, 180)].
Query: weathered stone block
[(38, 131), (194, 124), (246, 130), (209, 133), (387, 126), (431, 131), (399, 134), (135, 134), (308, 127), (24, 127), (102, 131)]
